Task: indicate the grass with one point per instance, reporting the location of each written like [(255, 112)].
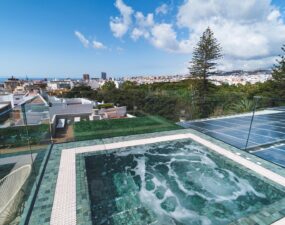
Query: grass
[(86, 130)]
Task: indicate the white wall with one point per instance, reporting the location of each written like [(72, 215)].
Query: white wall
[(7, 98)]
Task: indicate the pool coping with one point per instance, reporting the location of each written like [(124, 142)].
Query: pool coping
[(64, 204)]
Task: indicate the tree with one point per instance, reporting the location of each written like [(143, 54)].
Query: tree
[(108, 86), (128, 85), (81, 91), (278, 73), (243, 105), (205, 54)]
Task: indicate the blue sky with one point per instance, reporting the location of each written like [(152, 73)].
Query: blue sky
[(68, 38)]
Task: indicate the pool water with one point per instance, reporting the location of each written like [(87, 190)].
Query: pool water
[(172, 183)]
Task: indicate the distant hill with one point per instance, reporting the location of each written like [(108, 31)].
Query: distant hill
[(243, 72)]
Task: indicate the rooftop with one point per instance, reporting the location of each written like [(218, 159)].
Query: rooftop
[(91, 171), (3, 105), (83, 109)]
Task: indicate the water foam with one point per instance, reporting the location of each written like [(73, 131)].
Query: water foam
[(149, 199), (184, 183)]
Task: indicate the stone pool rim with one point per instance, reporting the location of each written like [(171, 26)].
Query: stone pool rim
[(64, 204)]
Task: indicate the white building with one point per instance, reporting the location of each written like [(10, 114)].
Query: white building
[(19, 90), (94, 84), (117, 83), (58, 85), (7, 98)]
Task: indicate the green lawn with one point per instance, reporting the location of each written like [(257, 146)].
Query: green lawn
[(86, 130)]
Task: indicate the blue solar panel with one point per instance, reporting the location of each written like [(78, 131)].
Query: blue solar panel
[(266, 129), (272, 127), (239, 143), (274, 155)]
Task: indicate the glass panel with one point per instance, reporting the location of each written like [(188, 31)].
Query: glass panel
[(28, 129), (268, 130), (24, 140), (84, 114)]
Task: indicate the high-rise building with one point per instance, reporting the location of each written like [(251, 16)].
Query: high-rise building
[(104, 75), (86, 77)]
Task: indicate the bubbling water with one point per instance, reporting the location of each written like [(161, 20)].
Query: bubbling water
[(183, 183)]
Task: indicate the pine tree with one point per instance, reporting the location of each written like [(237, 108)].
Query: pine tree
[(279, 69), (205, 54), (278, 75)]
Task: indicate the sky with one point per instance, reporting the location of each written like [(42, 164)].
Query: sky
[(66, 38)]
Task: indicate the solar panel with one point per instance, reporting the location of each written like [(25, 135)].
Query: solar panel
[(266, 131), (275, 155)]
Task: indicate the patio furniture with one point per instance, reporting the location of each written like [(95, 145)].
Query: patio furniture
[(11, 193)]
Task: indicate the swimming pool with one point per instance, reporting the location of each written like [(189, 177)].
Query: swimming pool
[(178, 182)]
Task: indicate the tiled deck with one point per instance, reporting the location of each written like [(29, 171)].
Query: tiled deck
[(57, 203)]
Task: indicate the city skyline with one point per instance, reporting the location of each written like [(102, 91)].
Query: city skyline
[(124, 37)]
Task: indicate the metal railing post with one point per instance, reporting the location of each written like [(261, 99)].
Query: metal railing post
[(256, 98)]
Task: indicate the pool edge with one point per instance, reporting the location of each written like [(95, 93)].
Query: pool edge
[(64, 205)]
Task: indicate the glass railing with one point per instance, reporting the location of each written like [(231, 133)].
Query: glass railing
[(85, 118), (266, 137), (255, 124), (87, 115), (135, 112), (24, 143)]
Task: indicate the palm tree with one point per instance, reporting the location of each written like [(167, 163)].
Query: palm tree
[(244, 105)]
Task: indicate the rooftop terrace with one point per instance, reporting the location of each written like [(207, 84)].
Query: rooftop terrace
[(60, 190)]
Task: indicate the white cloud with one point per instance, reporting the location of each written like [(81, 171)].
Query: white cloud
[(251, 32), (98, 45), (120, 25), (249, 64), (164, 37), (143, 21), (137, 33), (82, 39), (86, 43), (163, 9), (160, 35), (195, 11), (143, 25), (274, 15), (246, 30)]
